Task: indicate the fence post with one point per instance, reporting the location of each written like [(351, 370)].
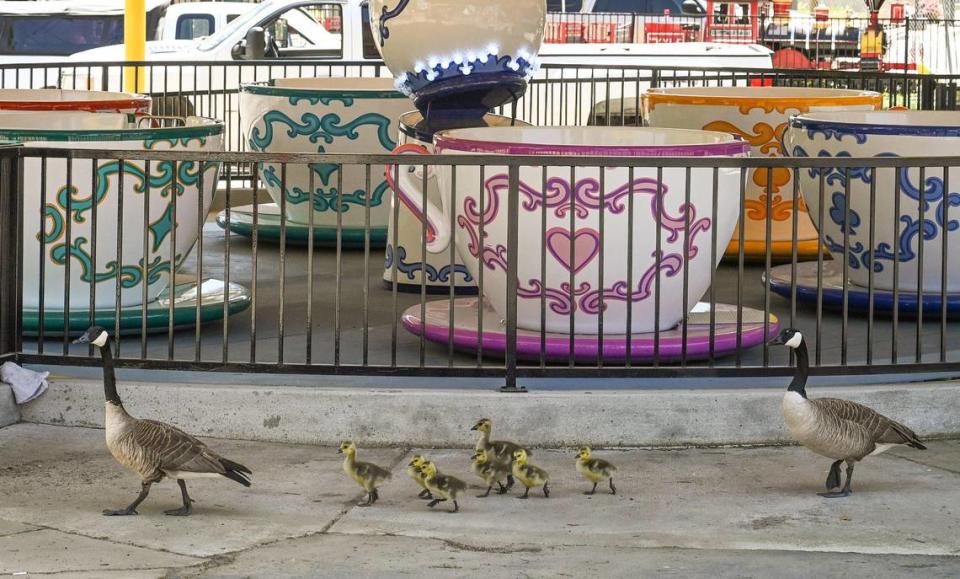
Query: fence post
[(513, 254), (10, 276)]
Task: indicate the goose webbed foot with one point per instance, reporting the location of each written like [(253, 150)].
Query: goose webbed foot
[(120, 512), (526, 494), (456, 507), (613, 489), (845, 491), (425, 494), (833, 479), (368, 502), (510, 481), (435, 502), (186, 509), (591, 491), (486, 494), (503, 490), (132, 509), (181, 512), (546, 491)]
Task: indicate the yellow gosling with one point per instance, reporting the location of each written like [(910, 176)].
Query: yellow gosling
[(491, 472), (413, 471), (531, 476), (368, 475), (444, 487), (595, 470), (501, 451)]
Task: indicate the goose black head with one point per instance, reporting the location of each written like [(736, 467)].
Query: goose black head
[(94, 335), (791, 338)]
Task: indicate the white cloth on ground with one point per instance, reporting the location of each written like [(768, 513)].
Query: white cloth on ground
[(27, 384)]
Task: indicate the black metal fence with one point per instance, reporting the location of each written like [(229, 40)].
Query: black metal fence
[(252, 294), (924, 45), (558, 95)]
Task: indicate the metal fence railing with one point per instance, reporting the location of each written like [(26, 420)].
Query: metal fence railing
[(123, 239), (558, 95), (926, 45)]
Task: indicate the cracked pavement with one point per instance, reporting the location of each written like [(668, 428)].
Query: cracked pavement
[(708, 512)]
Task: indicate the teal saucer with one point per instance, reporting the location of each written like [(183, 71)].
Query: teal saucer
[(268, 229), (211, 297)]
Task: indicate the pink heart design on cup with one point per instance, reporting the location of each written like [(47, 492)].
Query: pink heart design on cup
[(586, 245)]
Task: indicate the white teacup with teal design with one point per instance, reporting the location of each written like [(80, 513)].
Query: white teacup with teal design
[(325, 115), (896, 234), (52, 185)]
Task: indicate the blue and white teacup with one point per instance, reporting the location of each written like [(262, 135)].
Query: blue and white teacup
[(926, 209)]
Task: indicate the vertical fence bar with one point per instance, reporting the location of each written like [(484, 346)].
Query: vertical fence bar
[(144, 295), (10, 285), (42, 266), (921, 242), (944, 263), (225, 346), (513, 254), (171, 309)]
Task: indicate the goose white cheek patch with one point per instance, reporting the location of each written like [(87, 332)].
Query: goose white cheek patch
[(794, 342), (101, 340)]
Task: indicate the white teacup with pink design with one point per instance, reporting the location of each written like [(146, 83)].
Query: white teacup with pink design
[(688, 220)]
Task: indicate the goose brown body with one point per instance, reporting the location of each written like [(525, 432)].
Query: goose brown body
[(839, 429), (153, 449)]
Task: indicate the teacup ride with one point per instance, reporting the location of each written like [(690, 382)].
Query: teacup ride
[(896, 250), (481, 56), (54, 99), (81, 254), (759, 115), (409, 263), (639, 294), (320, 115)]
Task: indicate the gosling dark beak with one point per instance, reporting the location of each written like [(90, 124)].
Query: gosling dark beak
[(475, 427), (339, 451)]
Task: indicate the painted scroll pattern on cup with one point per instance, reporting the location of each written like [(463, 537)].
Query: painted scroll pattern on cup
[(165, 180), (574, 251), (767, 140), (320, 131), (933, 199)]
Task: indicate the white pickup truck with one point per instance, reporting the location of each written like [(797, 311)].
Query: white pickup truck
[(296, 35), (37, 33)]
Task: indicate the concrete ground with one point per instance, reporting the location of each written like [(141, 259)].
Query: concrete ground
[(679, 513)]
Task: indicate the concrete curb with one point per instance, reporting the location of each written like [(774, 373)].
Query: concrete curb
[(442, 418), (9, 411)]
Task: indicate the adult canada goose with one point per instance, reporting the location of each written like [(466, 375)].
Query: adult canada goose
[(153, 449), (839, 429)]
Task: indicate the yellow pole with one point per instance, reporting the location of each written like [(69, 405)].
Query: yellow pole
[(135, 44)]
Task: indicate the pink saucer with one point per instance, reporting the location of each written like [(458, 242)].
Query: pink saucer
[(586, 347)]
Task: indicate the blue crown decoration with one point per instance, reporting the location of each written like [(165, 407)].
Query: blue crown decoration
[(412, 83)]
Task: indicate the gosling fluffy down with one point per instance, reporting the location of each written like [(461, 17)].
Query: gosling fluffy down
[(444, 487), (366, 474), (491, 472), (531, 476), (595, 470), (414, 472)]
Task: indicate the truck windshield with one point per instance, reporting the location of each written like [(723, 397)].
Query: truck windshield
[(51, 35), (243, 21)]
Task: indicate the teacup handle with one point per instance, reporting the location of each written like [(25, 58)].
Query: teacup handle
[(438, 233)]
